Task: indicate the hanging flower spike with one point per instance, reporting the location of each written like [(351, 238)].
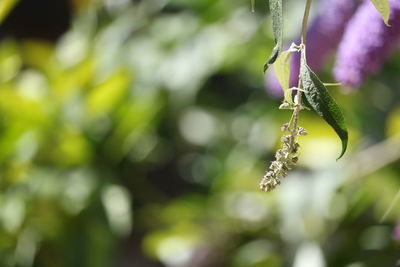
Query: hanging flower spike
[(366, 44), (285, 158)]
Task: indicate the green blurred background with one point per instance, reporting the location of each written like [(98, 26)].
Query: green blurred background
[(135, 133)]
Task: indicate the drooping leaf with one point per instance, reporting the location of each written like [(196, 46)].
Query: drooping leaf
[(252, 5), (282, 71), (275, 7), (383, 8), (319, 99), (5, 8)]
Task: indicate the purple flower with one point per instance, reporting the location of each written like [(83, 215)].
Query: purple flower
[(366, 44), (324, 35), (396, 232)]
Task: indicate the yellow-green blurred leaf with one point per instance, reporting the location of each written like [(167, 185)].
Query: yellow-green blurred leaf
[(10, 60), (72, 148), (104, 97), (5, 8), (134, 120), (74, 79), (180, 237), (37, 54), (382, 188), (18, 109), (393, 123)]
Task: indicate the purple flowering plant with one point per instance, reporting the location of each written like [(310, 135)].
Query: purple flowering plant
[(355, 62), (294, 67)]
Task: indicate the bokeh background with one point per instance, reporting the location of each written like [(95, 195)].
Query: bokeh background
[(135, 133)]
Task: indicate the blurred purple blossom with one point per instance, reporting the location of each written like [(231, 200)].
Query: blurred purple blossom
[(396, 232), (366, 44), (324, 35)]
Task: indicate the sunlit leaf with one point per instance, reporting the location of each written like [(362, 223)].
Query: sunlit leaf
[(5, 8), (135, 118), (10, 60), (384, 9), (105, 96)]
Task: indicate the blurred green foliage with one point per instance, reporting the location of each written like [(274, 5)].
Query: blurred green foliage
[(139, 138), (5, 7)]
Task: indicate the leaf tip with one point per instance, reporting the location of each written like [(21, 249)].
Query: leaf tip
[(344, 146)]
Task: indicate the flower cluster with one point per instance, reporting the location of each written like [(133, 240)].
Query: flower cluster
[(366, 44), (324, 35), (285, 158)]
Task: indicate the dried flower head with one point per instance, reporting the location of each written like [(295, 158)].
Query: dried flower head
[(285, 158)]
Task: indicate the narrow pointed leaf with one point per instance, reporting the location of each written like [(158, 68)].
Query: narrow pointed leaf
[(319, 99), (383, 8), (275, 7)]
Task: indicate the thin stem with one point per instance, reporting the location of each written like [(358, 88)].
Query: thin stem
[(305, 22), (296, 112)]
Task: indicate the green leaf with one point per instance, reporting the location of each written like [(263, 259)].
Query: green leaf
[(282, 71), (275, 7), (104, 97), (319, 99), (252, 5), (383, 7), (5, 8)]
